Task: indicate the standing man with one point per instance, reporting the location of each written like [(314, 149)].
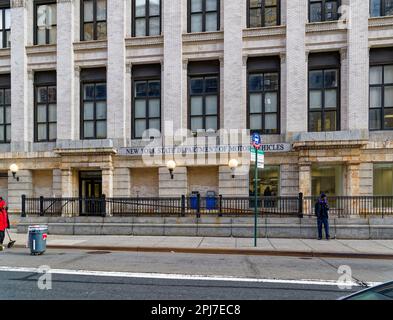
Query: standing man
[(322, 213), (4, 222)]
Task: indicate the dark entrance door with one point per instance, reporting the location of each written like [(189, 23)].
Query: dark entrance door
[(92, 201)]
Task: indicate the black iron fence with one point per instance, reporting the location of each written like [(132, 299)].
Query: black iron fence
[(296, 206)]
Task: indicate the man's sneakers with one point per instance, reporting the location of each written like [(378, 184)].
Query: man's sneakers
[(2, 248)]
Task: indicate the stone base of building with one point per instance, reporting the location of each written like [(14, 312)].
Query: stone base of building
[(358, 229)]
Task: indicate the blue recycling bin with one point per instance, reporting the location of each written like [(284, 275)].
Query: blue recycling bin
[(194, 200), (211, 200), (37, 239)]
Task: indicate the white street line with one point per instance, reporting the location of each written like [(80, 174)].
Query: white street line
[(181, 277)]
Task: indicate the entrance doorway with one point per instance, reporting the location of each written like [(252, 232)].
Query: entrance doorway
[(90, 191)]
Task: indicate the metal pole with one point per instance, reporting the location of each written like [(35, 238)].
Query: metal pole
[(256, 198)]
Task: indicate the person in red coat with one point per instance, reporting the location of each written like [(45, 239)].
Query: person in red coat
[(4, 222)]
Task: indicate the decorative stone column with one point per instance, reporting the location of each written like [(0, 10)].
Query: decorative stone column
[(305, 179), (107, 182), (66, 106), (116, 72), (175, 187), (172, 78), (358, 66), (289, 180), (234, 113), (20, 112), (56, 183), (66, 183), (296, 67)]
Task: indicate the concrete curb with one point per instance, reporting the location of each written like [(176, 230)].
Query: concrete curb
[(228, 251)]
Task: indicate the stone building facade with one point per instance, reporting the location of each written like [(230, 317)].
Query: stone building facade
[(337, 153)]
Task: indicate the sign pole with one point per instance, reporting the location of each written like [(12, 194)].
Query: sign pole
[(256, 199)]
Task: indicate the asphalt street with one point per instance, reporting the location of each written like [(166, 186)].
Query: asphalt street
[(22, 285), (298, 278)]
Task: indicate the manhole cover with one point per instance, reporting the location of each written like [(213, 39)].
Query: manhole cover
[(98, 252)]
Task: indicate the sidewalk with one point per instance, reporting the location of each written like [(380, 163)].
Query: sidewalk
[(373, 249)]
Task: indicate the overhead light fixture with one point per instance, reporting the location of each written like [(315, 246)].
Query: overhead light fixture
[(14, 170), (233, 164), (171, 165)]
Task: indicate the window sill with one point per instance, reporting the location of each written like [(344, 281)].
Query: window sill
[(144, 41), (41, 49), (90, 45), (383, 21), (264, 31), (203, 36), (337, 25)]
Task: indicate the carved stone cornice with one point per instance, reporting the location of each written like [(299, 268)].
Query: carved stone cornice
[(380, 22)]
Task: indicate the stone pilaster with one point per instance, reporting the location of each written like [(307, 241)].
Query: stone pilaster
[(17, 188), (305, 179), (366, 176), (296, 67), (67, 183), (358, 66), (289, 180), (172, 188), (56, 183), (107, 182), (116, 72), (66, 106), (234, 113), (232, 187), (172, 78), (122, 182), (20, 113), (353, 179)]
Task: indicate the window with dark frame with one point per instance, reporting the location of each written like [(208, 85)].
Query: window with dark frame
[(263, 13), (203, 95), (380, 8), (324, 92), (146, 18), (5, 24), (263, 95), (45, 107), (381, 89), (5, 108), (323, 10), (45, 22), (93, 104), (93, 18), (146, 110), (203, 15)]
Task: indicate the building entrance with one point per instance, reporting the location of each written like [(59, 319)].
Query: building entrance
[(90, 191)]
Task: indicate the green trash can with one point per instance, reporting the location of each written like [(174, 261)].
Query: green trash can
[(37, 239)]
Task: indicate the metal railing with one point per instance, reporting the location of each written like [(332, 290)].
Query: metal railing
[(295, 206)]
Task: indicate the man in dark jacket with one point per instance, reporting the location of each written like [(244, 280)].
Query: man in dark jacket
[(322, 213)]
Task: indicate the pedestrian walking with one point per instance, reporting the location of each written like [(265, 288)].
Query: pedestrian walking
[(4, 222), (322, 213)]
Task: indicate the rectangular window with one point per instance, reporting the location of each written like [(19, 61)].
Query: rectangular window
[(381, 89), (263, 13), (146, 18), (45, 21), (327, 179), (5, 24), (383, 179), (93, 18), (324, 92), (380, 8), (203, 95), (45, 107), (203, 15), (323, 10), (264, 95), (93, 104), (146, 111), (5, 108)]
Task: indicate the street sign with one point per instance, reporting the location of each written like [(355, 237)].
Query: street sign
[(260, 158), (256, 141)]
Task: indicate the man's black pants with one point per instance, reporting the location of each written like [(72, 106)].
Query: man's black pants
[(2, 236)]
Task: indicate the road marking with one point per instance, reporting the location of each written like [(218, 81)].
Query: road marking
[(182, 277)]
